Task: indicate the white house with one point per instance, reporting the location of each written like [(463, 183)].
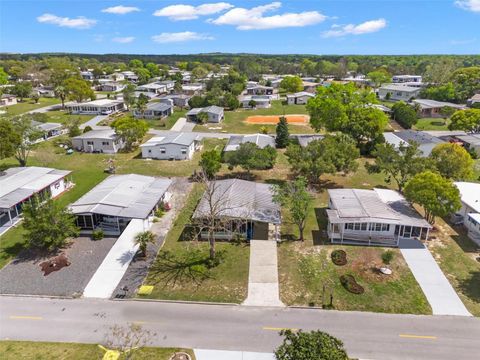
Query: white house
[(215, 114), (474, 100), (49, 130), (171, 146), (117, 200), (180, 100), (433, 108), (116, 77), (399, 79), (98, 141), (153, 87), (259, 90), (299, 98), (45, 91), (372, 217), (19, 184), (8, 100), (192, 89), (87, 75), (470, 211), (398, 92), (425, 141), (310, 86), (130, 76), (261, 101), (111, 86), (98, 107), (261, 140), (169, 85), (155, 110)]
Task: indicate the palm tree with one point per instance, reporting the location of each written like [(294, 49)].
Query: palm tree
[(143, 239), (61, 93)]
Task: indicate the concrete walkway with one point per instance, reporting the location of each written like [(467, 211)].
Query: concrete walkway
[(231, 355), (111, 270), (263, 274), (440, 294), (178, 126), (93, 122)]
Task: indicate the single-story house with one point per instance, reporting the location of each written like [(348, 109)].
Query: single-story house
[(425, 141), (180, 100), (399, 79), (259, 90), (130, 76), (192, 89), (155, 110), (171, 146), (475, 99), (49, 130), (275, 83), (261, 140), (19, 184), (169, 85), (261, 101), (470, 142), (98, 141), (299, 98), (8, 100), (149, 95), (215, 114), (432, 108), (118, 199), (117, 76), (111, 86), (470, 211), (45, 91), (310, 86), (372, 217), (304, 140), (245, 208), (398, 92), (381, 107), (154, 87), (99, 107), (87, 75)]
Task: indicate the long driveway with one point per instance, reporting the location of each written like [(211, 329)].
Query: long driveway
[(437, 289), (223, 327)]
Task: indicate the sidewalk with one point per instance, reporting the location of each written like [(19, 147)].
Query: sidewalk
[(263, 287), (231, 355), (439, 292)]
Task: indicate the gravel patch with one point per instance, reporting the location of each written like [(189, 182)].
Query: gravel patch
[(23, 275)]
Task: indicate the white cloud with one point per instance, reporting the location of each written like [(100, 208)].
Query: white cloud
[(351, 29), (254, 19), (77, 23), (189, 12), (120, 9), (123, 40), (470, 5), (180, 37)]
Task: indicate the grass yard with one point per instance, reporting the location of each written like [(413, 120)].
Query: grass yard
[(88, 171), (29, 104), (163, 124), (181, 270), (432, 124), (16, 350), (61, 117), (234, 121)]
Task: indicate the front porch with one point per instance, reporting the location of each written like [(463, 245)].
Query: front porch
[(244, 229), (111, 225)]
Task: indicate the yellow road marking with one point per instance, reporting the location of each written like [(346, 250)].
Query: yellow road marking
[(278, 328), (418, 336), (26, 317), (139, 322)]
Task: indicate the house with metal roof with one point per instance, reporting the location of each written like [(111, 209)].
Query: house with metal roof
[(424, 140), (433, 108), (372, 217), (257, 89), (304, 140), (98, 141), (118, 199), (154, 110), (98, 107), (49, 129), (180, 100), (299, 98), (470, 142), (215, 114), (401, 79), (470, 210), (474, 100), (153, 87), (8, 100), (261, 140), (261, 101), (242, 208), (398, 92), (19, 184), (171, 146)]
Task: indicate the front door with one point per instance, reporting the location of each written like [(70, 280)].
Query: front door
[(407, 232)]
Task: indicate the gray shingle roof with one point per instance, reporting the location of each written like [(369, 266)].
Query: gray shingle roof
[(241, 199), (130, 196)]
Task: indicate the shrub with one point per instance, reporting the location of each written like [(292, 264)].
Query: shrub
[(339, 257), (98, 234), (87, 129), (387, 257), (159, 212), (351, 285)]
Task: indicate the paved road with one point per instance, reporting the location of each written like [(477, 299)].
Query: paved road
[(224, 327), (48, 108), (203, 135)]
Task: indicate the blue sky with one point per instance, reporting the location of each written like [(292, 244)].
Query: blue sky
[(278, 27)]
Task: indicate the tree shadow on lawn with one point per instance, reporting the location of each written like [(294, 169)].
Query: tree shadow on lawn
[(471, 286), (460, 236), (183, 266), (320, 236)]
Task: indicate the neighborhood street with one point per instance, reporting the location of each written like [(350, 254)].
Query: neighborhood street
[(230, 327)]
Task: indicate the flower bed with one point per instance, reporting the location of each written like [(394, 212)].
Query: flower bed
[(339, 257), (351, 285)]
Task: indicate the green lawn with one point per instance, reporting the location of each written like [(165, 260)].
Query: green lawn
[(234, 121), (61, 117), (432, 124), (163, 124), (28, 105), (181, 270), (17, 350), (88, 170)]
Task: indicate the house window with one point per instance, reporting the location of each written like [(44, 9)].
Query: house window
[(105, 143), (184, 150), (149, 151), (356, 226), (162, 151), (364, 226), (89, 142)]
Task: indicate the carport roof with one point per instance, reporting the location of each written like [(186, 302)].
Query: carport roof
[(129, 196)]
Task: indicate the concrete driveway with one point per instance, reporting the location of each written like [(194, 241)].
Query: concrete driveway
[(440, 294)]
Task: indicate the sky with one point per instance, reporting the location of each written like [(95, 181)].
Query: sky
[(252, 26)]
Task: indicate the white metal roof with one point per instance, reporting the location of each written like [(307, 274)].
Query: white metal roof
[(20, 183), (261, 140), (470, 194), (129, 196), (106, 134), (172, 138)]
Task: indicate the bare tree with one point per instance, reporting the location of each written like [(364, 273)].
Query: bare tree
[(127, 339)]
